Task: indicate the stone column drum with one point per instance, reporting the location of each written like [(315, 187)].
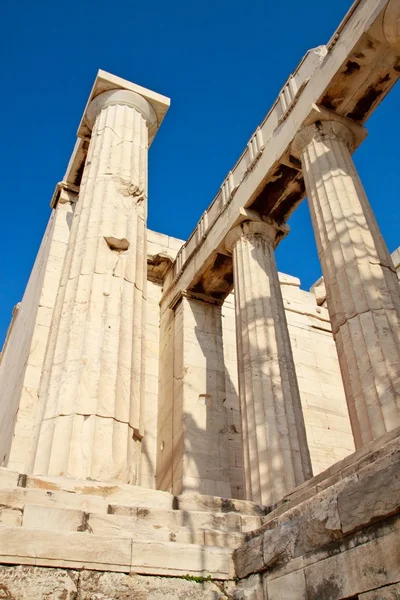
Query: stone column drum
[(276, 456), (91, 396), (363, 293)]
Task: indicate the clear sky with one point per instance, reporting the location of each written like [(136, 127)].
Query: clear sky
[(222, 63)]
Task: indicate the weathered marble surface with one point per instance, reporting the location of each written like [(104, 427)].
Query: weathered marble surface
[(90, 420), (336, 543), (24, 350), (363, 294), (275, 452), (38, 583)]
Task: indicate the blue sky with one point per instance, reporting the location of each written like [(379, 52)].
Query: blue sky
[(222, 63)]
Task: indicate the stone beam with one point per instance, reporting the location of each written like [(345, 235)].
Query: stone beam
[(350, 76)]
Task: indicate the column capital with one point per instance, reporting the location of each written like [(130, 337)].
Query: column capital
[(267, 229), (153, 105), (124, 98), (325, 124)]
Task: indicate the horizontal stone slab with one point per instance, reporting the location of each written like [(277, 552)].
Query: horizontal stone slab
[(180, 559), (117, 525), (113, 493), (198, 502), (53, 518), (180, 518), (20, 545), (19, 497)]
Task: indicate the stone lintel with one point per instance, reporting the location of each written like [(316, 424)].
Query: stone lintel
[(194, 296), (106, 82)]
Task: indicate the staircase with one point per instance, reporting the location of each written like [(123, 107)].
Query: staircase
[(68, 523)]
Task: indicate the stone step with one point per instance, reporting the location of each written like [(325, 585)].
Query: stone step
[(13, 501), (232, 522), (64, 519), (82, 550), (198, 502), (129, 495), (111, 492), (18, 497)]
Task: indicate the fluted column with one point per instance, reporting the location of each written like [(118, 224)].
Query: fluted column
[(91, 396), (363, 293), (276, 456)]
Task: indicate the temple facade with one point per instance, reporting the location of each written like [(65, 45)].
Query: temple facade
[(182, 409)]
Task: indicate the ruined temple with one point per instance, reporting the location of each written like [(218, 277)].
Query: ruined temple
[(177, 418)]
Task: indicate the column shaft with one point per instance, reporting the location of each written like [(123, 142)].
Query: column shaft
[(363, 292), (276, 456), (91, 394)]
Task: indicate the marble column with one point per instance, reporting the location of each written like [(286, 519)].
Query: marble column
[(363, 293), (91, 398), (276, 456)]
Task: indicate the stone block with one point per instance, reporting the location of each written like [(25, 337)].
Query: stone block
[(250, 523), (123, 526), (248, 589), (64, 549), (372, 497), (172, 519), (359, 569), (107, 493), (198, 502), (10, 516), (38, 583), (389, 592), (51, 518), (289, 587), (292, 532), (279, 544), (19, 497), (222, 539), (333, 438), (304, 357), (249, 558), (160, 558)]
